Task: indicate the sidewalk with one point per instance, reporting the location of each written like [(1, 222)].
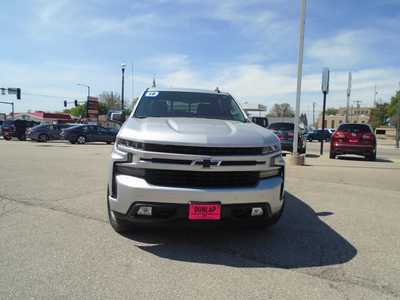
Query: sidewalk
[(386, 142)]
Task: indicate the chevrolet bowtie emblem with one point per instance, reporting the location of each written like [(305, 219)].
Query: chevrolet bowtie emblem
[(207, 163)]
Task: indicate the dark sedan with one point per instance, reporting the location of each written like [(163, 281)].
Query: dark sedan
[(285, 132), (319, 135), (46, 132), (82, 134)]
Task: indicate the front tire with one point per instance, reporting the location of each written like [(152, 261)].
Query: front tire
[(332, 155), (43, 138), (119, 226), (372, 156), (81, 139), (22, 137)]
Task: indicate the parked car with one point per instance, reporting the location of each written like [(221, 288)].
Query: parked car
[(16, 128), (46, 132), (82, 134), (285, 133), (194, 156), (319, 135), (356, 139)]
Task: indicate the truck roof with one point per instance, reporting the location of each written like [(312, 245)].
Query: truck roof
[(185, 90)]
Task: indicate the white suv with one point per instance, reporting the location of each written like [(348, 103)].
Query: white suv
[(193, 155)]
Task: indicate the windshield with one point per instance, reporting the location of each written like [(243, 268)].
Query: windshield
[(188, 105), (282, 126), (354, 128), (8, 123)]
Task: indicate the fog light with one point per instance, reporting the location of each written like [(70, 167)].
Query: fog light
[(145, 211), (257, 211)]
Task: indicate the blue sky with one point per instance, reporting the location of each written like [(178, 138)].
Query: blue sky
[(248, 48)]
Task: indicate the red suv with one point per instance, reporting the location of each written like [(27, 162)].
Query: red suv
[(356, 139)]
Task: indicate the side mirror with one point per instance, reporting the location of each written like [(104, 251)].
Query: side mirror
[(261, 121), (116, 117)]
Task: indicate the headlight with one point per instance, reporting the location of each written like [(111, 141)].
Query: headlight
[(277, 161), (271, 149), (123, 144)]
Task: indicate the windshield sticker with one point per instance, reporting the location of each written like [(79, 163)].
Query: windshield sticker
[(151, 94)]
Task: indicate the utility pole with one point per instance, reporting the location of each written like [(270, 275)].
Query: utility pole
[(348, 97), (299, 77), (88, 96), (358, 103), (133, 84), (313, 114)]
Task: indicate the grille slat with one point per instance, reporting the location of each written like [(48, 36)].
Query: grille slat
[(212, 151), (201, 179)]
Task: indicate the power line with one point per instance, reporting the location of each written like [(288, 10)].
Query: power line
[(51, 96)]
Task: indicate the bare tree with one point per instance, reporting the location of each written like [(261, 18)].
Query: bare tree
[(111, 100), (281, 110)]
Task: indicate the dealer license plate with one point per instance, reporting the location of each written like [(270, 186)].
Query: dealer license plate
[(204, 211)]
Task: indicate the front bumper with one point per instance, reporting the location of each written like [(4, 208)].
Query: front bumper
[(132, 190), (171, 212)]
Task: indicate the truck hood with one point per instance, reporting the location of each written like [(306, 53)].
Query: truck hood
[(197, 132)]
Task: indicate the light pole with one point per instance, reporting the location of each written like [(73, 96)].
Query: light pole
[(123, 66), (88, 96), (348, 97), (299, 77)]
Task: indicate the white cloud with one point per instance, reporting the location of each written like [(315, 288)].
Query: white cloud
[(168, 62), (352, 49)]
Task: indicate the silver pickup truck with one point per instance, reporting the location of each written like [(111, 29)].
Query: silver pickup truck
[(193, 156)]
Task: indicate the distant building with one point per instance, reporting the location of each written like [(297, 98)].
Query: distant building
[(44, 117), (356, 115)]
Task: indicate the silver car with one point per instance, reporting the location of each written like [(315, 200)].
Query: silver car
[(194, 156)]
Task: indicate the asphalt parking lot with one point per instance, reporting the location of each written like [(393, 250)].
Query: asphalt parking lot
[(339, 237)]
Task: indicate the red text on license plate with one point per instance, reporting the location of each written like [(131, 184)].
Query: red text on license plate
[(204, 211)]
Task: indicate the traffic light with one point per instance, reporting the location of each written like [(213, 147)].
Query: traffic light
[(18, 94), (76, 103), (65, 103)]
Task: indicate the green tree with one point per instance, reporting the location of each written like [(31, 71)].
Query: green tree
[(379, 115), (394, 105), (331, 111), (281, 110), (78, 111)]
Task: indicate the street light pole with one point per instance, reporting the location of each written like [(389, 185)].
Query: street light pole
[(299, 77), (123, 85)]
